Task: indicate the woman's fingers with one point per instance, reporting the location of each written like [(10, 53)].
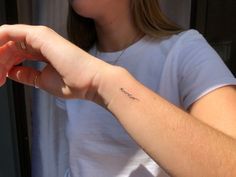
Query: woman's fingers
[(28, 39), (25, 75), (13, 33), (17, 43), (70, 70), (48, 79), (42, 42), (12, 54)]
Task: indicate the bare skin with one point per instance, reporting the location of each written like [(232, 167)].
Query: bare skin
[(199, 142), (195, 139)]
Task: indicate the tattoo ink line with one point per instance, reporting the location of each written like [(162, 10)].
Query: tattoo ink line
[(128, 94)]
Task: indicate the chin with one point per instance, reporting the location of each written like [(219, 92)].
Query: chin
[(83, 7)]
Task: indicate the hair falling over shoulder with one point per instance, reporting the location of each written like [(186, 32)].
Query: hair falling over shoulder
[(147, 16), (149, 19)]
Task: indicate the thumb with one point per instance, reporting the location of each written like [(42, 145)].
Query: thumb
[(25, 75)]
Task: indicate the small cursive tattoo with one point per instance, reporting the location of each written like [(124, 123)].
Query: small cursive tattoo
[(128, 94)]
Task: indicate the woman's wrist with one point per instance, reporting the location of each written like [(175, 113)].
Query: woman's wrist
[(116, 83), (107, 81)]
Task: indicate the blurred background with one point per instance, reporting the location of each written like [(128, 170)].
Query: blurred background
[(30, 121)]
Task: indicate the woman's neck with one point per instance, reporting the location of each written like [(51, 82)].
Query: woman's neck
[(117, 39), (116, 33)]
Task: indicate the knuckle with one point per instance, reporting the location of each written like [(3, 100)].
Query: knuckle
[(5, 26), (44, 29), (4, 30)]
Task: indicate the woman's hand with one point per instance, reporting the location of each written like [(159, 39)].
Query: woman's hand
[(69, 72)]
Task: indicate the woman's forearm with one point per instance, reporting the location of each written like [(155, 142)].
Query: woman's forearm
[(180, 143)]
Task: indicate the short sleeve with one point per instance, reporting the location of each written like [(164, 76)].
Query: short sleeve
[(200, 69)]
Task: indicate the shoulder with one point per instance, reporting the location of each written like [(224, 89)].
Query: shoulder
[(189, 38), (177, 42), (191, 48), (195, 67)]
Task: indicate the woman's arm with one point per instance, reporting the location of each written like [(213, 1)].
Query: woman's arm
[(185, 144), (182, 144)]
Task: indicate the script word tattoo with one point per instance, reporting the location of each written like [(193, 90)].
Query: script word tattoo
[(128, 94)]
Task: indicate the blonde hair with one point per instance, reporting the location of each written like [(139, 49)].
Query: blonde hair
[(150, 20), (147, 16)]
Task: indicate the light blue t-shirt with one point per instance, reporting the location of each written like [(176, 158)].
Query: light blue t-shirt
[(180, 68)]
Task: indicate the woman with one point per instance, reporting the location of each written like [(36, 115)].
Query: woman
[(179, 70)]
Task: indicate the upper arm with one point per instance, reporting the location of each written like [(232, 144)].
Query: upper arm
[(217, 109)]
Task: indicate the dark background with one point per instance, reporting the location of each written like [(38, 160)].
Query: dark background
[(216, 20), (14, 141)]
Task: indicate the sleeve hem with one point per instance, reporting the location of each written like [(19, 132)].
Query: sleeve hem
[(197, 95)]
